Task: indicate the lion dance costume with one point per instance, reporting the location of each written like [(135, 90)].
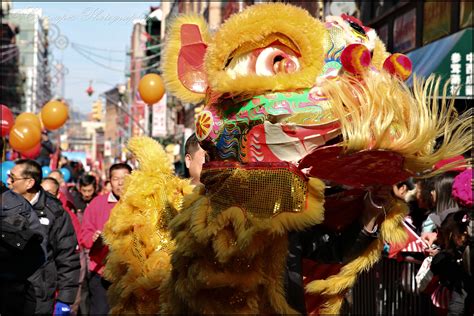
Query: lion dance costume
[(289, 102)]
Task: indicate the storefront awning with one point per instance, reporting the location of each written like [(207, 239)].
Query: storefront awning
[(451, 58)]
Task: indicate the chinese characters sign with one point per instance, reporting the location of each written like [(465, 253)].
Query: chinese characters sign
[(159, 118), (468, 87), (461, 67)]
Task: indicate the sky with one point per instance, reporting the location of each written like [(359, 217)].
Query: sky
[(106, 27)]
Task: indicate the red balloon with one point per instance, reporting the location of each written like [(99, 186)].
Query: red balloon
[(7, 120), (33, 153)]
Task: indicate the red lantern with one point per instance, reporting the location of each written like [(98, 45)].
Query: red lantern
[(7, 120), (90, 90)]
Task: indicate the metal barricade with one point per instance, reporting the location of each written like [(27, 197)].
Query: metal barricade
[(389, 288)]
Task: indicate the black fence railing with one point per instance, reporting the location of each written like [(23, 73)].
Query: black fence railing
[(389, 288)]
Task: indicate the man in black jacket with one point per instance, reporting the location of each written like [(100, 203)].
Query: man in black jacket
[(61, 271), (22, 252), (86, 192)]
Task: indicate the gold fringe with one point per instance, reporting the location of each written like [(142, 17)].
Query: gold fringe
[(380, 112), (332, 306)]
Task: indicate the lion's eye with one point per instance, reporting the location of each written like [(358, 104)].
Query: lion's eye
[(267, 61), (357, 28), (276, 59)]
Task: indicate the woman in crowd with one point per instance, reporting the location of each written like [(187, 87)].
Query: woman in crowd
[(455, 283)]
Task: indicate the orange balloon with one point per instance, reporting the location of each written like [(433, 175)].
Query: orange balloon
[(24, 136), (54, 114), (151, 88), (29, 118)]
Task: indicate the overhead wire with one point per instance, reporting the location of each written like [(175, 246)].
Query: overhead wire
[(118, 103), (114, 50), (155, 65), (96, 62), (97, 55), (16, 45), (111, 59), (101, 49)]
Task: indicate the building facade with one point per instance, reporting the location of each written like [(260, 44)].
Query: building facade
[(436, 35), (11, 79), (138, 63), (116, 123), (33, 47)]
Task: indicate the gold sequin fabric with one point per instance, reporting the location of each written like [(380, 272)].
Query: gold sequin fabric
[(263, 191)]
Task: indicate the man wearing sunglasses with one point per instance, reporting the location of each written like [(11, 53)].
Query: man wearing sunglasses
[(58, 280)]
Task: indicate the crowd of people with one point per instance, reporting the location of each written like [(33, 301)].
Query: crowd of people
[(52, 252), (58, 228), (440, 214)]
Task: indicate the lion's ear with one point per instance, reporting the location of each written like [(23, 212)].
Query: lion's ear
[(183, 58)]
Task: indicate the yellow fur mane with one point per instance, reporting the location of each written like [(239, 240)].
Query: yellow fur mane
[(221, 265), (382, 113), (137, 231), (380, 54), (254, 25)]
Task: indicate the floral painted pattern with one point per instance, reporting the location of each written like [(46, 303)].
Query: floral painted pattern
[(204, 122)]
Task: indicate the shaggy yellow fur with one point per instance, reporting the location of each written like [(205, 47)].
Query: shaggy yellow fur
[(137, 233), (226, 257), (384, 114), (379, 54), (252, 26), (170, 57)]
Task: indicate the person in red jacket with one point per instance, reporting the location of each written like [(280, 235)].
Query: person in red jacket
[(96, 215)]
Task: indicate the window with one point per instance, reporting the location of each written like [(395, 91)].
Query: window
[(465, 18), (436, 20), (404, 32)]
